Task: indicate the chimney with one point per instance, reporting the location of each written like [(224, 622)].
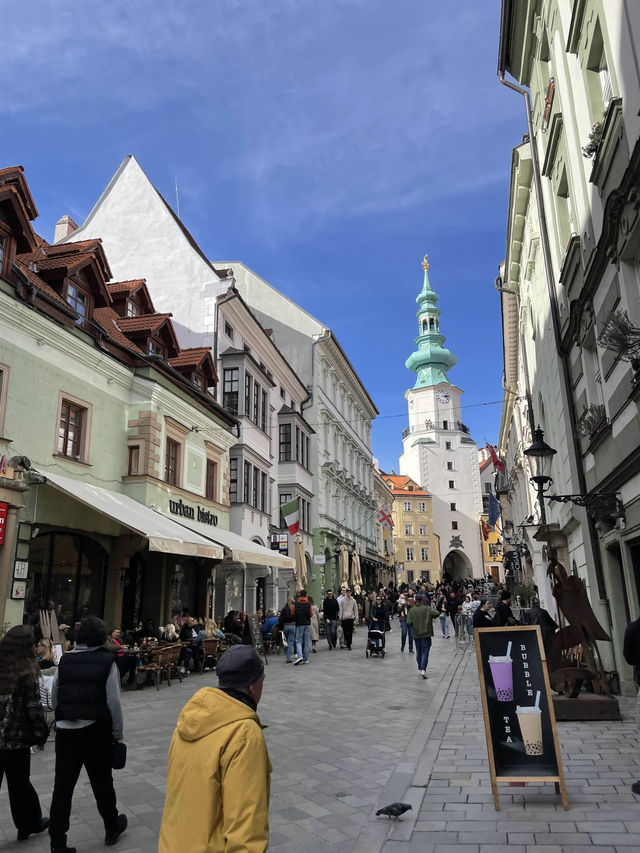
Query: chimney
[(64, 227)]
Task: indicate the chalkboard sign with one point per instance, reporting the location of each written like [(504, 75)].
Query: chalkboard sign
[(255, 629), (520, 725)]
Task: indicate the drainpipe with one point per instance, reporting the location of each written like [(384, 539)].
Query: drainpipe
[(553, 303)]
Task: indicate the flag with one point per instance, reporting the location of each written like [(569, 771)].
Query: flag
[(495, 509), (486, 529), (291, 515), (498, 464), (383, 516)]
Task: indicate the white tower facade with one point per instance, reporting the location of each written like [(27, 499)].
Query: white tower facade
[(438, 451)]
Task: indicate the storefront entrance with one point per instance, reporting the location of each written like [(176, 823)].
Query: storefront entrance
[(67, 574)]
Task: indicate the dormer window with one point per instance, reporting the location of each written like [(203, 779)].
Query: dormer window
[(133, 309), (156, 348), (198, 381), (78, 300)]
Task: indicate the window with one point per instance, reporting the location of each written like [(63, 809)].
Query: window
[(230, 390), (305, 515), (247, 482), (256, 403), (198, 381), (452, 507), (133, 467), (454, 525), (248, 383), (422, 507), (445, 424), (172, 462), (263, 416), (211, 480), (409, 576), (422, 530), (449, 466), (233, 480), (447, 445), (256, 486), (285, 442), (133, 310), (452, 484), (282, 393), (485, 504), (70, 430), (263, 492), (409, 555), (284, 499), (156, 348), (228, 330), (246, 348), (407, 506), (78, 299), (487, 487), (424, 555), (408, 530), (4, 390)]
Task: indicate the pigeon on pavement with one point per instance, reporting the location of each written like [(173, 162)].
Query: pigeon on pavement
[(394, 810)]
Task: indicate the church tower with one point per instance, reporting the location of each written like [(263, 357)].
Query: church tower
[(438, 451)]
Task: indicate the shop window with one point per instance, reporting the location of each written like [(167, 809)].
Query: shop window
[(211, 480), (67, 576), (133, 468), (172, 462), (230, 390), (4, 391), (73, 429)]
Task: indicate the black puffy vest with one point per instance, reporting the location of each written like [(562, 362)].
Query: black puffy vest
[(82, 686), (303, 612)]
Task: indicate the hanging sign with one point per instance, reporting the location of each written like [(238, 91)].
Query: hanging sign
[(255, 629), (519, 721), (4, 509)]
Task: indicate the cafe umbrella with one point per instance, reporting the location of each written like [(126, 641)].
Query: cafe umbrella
[(356, 573), (301, 563), (343, 562)]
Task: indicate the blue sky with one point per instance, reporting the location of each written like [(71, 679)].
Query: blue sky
[(328, 145)]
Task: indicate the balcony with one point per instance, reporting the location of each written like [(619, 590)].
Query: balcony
[(432, 426)]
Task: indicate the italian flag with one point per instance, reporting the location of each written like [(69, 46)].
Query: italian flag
[(291, 515)]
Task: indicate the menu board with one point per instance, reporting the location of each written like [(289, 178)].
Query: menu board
[(255, 630), (519, 721)]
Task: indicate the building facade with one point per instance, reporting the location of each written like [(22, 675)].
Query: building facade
[(415, 544), (438, 452), (384, 533), (570, 293)]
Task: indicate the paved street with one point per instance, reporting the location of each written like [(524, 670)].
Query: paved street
[(347, 735)]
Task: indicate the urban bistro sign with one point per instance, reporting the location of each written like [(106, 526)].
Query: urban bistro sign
[(197, 514)]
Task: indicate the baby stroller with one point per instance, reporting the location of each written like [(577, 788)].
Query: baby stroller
[(375, 642)]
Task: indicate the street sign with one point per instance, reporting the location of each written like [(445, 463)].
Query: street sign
[(519, 722), (318, 559)]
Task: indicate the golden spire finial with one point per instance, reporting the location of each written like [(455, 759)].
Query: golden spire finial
[(425, 262)]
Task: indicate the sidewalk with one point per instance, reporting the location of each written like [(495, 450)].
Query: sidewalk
[(348, 735)]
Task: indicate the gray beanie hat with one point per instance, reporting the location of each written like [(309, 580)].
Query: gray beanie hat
[(239, 666)]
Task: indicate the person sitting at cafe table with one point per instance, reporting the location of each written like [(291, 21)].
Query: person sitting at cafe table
[(267, 625), (127, 663), (190, 650)]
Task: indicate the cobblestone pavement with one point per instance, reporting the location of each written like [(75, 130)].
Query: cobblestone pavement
[(347, 735)]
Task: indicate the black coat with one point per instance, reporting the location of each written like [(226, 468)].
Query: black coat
[(330, 608), (482, 619)]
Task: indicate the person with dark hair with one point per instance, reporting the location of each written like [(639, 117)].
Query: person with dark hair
[(481, 618), (217, 795), (86, 699), (22, 725), (303, 614), (330, 614), (537, 615), (504, 615)]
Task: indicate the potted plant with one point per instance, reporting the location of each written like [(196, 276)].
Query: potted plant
[(595, 138), (620, 336)]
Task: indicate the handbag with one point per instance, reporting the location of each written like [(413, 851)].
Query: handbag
[(118, 755)]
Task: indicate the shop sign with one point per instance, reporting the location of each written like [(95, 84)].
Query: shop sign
[(20, 569), (318, 559), (4, 509), (197, 514)]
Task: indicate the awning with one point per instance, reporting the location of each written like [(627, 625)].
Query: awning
[(240, 549), (163, 533)]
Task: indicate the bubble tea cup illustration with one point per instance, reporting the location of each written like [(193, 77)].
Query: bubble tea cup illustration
[(502, 674), (530, 721)]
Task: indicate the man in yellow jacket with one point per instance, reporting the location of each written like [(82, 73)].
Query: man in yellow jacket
[(217, 798)]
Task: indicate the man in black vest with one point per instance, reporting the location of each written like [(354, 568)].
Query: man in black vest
[(86, 697)]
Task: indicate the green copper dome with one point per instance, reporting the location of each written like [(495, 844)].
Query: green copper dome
[(432, 360)]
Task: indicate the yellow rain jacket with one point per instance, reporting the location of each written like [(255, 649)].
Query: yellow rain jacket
[(217, 797)]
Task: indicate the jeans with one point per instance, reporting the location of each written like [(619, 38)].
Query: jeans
[(15, 764), (91, 747), (290, 637), (444, 624), (347, 627), (407, 630), (303, 634), (331, 630), (423, 647)]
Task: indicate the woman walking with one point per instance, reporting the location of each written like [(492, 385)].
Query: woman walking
[(444, 616), (348, 616), (22, 725), (315, 624)]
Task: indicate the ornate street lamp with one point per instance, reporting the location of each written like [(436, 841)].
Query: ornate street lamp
[(541, 456)]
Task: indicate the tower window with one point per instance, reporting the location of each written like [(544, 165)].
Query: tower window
[(447, 445)]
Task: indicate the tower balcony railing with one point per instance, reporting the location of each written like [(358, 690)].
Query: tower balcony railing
[(431, 426)]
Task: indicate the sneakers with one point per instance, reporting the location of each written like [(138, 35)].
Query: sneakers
[(304, 661), (423, 673), (23, 834), (287, 661), (410, 651), (297, 661), (111, 837)]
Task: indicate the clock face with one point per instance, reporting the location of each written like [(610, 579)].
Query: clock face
[(443, 396)]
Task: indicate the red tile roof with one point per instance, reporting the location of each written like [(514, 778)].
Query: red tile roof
[(190, 357), (400, 485), (109, 321), (145, 323), (124, 286), (35, 280)]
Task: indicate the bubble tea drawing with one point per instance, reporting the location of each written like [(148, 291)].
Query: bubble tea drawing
[(530, 721), (502, 674)]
